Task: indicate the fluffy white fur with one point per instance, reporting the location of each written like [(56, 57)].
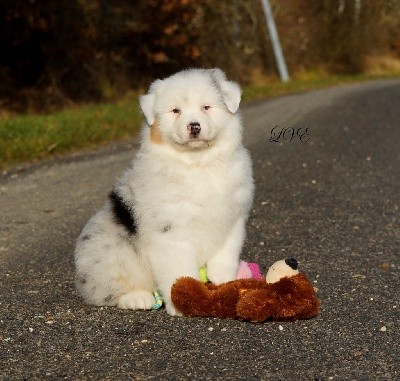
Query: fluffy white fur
[(190, 197)]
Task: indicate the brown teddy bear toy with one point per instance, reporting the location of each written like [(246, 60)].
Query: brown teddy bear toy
[(286, 294)]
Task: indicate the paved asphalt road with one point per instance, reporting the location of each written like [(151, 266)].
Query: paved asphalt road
[(332, 202)]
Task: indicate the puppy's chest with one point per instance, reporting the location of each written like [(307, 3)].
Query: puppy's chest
[(205, 187), (198, 192)]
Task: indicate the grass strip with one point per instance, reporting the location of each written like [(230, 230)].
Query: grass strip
[(26, 138)]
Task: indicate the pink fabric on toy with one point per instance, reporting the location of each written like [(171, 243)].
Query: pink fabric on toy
[(248, 270), (255, 270), (244, 271)]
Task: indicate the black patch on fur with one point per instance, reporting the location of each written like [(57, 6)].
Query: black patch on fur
[(109, 298), (167, 228), (123, 215), (82, 279), (86, 237)]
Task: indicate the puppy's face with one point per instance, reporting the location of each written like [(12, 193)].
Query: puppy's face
[(190, 109), (189, 112)]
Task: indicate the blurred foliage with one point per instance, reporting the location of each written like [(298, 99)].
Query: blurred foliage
[(55, 53)]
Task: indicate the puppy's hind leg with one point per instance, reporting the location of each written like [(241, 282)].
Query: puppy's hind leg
[(113, 274)]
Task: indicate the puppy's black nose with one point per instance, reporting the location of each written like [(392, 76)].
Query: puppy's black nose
[(194, 128)]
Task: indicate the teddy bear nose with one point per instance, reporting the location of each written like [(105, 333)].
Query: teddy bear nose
[(292, 263)]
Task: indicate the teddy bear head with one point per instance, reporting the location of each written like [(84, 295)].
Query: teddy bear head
[(280, 269)]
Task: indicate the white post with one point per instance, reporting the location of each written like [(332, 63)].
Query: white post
[(280, 60)]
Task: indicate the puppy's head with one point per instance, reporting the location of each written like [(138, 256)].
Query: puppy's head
[(192, 109)]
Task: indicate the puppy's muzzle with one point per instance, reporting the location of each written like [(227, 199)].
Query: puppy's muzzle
[(194, 129)]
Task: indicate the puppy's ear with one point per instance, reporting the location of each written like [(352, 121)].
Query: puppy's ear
[(231, 92), (147, 101), (156, 85), (147, 106)]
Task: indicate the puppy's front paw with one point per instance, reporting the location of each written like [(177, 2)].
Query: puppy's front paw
[(171, 309), (218, 273)]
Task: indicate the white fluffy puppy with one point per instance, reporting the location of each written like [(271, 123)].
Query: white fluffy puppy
[(183, 203)]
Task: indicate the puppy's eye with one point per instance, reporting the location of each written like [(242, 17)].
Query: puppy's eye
[(206, 108), (176, 111)]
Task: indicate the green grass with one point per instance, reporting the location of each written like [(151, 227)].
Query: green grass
[(26, 138), (306, 82), (31, 137)]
